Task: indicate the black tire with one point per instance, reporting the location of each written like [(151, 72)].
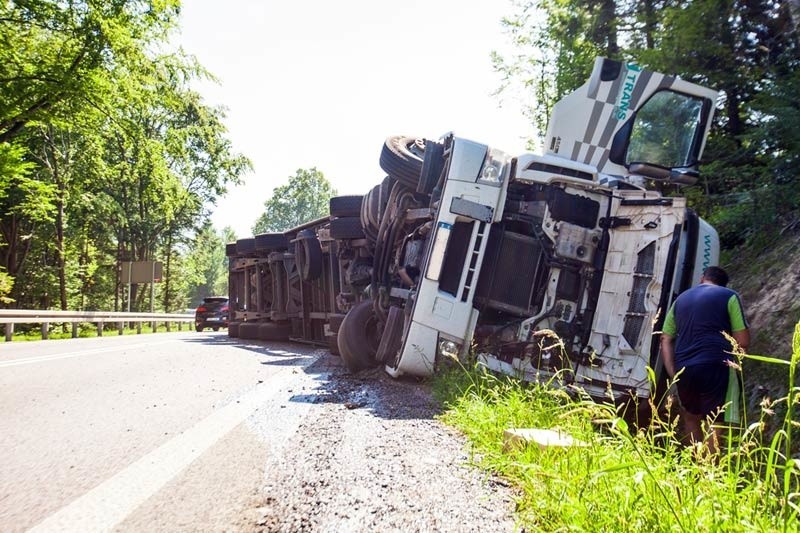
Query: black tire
[(358, 337), (369, 208), (308, 255), (345, 206), (401, 158), (271, 241), (248, 330), (274, 331), (233, 329), (246, 246), (198, 329), (347, 228), (215, 328)]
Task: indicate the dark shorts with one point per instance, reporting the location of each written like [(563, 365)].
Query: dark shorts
[(705, 389)]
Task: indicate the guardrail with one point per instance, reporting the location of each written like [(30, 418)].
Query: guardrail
[(9, 317)]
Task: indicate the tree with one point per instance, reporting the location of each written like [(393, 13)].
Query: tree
[(206, 265), (304, 198), (557, 41), (106, 154), (56, 55), (748, 49)]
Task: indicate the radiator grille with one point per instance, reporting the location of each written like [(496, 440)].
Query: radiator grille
[(511, 270)]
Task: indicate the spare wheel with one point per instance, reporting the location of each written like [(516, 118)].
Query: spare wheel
[(401, 158)]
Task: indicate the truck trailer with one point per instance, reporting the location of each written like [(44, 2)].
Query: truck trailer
[(538, 265)]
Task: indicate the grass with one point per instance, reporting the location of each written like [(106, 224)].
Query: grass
[(90, 330), (628, 479)]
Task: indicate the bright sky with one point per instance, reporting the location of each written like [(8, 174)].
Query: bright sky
[(320, 83)]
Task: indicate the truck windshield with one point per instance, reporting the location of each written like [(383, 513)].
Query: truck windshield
[(665, 129)]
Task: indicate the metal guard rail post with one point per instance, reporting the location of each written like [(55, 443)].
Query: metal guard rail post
[(9, 317)]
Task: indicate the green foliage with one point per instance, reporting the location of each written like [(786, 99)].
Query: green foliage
[(303, 199), (557, 41), (21, 194), (206, 265), (623, 478), (6, 284), (33, 332), (746, 49), (106, 154)]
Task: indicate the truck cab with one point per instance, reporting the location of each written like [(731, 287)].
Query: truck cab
[(564, 263)]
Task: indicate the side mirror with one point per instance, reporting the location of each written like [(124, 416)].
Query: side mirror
[(678, 176)]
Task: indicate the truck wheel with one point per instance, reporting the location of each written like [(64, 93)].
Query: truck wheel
[(248, 330), (401, 158), (369, 220), (345, 206), (347, 228), (273, 331), (308, 254), (358, 337), (271, 241), (245, 246), (233, 329)]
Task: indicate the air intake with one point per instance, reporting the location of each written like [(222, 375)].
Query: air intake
[(637, 311)]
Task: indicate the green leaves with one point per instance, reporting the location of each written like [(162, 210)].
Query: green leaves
[(303, 199), (102, 143)]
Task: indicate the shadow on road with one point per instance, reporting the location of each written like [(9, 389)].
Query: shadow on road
[(373, 390)]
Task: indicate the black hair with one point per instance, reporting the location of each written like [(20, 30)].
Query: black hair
[(716, 275)]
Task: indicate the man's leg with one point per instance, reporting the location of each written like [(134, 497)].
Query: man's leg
[(693, 425)]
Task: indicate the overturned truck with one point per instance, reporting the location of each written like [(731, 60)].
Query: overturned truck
[(463, 248)]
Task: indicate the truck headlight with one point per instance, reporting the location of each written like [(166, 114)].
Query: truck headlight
[(494, 168), (448, 348)]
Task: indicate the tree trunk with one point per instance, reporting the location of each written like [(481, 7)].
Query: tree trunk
[(167, 302), (83, 261), (61, 261), (608, 16), (119, 273), (649, 23)]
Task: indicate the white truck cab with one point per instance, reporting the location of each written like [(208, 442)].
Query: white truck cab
[(574, 241)]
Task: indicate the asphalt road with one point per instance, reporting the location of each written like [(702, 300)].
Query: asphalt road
[(157, 432)]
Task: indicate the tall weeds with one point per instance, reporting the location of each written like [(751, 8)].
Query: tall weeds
[(627, 478)]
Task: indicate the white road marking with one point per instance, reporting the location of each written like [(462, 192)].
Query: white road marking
[(108, 504), (57, 356)]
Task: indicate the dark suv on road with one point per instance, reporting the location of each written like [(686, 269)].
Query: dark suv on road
[(212, 313)]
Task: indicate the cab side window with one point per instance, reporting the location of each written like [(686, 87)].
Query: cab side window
[(666, 129)]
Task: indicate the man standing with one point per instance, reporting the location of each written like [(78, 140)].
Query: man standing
[(692, 343)]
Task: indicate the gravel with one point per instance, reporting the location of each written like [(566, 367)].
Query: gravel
[(372, 457)]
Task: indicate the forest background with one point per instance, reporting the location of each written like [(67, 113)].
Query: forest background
[(107, 155)]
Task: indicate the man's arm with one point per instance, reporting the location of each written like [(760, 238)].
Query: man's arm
[(668, 333), (668, 353), (742, 338), (740, 332)]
